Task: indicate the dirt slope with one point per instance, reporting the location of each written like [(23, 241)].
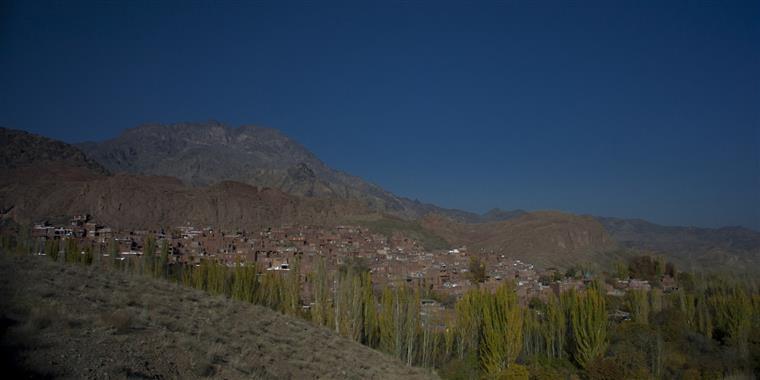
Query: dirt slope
[(65, 321)]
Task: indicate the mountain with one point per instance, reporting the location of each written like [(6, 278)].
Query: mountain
[(250, 177), (50, 180), (20, 149), (202, 154), (727, 247), (499, 215), (546, 238)]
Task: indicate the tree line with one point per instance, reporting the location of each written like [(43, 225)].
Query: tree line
[(709, 327)]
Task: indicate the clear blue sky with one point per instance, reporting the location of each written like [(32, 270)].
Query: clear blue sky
[(621, 108)]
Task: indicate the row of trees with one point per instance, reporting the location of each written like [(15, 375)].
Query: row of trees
[(710, 328)]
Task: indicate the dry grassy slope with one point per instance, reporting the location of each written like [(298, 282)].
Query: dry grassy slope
[(545, 238), (66, 321)]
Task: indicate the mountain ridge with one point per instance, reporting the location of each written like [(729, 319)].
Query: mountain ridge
[(46, 178)]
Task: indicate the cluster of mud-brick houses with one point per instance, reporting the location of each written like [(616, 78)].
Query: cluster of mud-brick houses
[(391, 260)]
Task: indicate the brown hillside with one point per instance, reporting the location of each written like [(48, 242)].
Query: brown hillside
[(545, 238), (40, 192)]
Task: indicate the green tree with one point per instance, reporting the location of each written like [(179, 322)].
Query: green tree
[(469, 315), (161, 268), (638, 304), (502, 330), (555, 328), (589, 326), (370, 334), (621, 270), (148, 261), (244, 284), (322, 311), (477, 270), (387, 322), (292, 290)]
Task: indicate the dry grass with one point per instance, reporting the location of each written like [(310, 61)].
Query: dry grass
[(119, 320), (70, 321)]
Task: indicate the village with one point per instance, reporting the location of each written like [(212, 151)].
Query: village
[(391, 261)]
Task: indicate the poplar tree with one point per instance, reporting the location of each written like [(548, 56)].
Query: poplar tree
[(555, 328), (704, 322), (638, 304), (534, 333), (244, 284), (369, 316), (655, 300), (149, 255), (387, 322), (162, 268), (292, 289), (52, 248), (322, 311), (502, 330), (468, 322), (411, 325), (589, 326)]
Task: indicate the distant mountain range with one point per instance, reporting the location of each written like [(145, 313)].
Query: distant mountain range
[(734, 247), (210, 174)]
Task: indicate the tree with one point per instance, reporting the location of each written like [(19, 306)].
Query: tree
[(589, 326), (292, 291), (387, 322), (162, 267), (638, 304), (468, 322), (555, 328), (244, 284), (399, 323), (52, 248), (703, 318), (321, 313), (502, 330), (477, 270), (621, 270), (370, 335), (412, 324)]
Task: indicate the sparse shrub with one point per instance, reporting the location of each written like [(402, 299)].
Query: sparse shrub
[(42, 317), (202, 367), (216, 353), (120, 320)]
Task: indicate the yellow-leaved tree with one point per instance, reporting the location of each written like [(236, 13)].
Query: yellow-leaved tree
[(502, 330)]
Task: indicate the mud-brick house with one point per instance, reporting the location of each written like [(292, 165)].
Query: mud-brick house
[(669, 284), (559, 287), (636, 284)]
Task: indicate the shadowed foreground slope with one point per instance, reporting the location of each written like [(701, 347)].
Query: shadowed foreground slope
[(69, 321)]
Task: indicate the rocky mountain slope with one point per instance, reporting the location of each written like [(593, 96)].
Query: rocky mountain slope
[(53, 180), (202, 154), (131, 201)]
